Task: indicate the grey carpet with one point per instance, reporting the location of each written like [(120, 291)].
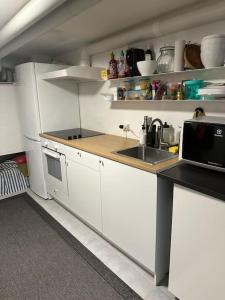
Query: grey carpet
[(39, 259)]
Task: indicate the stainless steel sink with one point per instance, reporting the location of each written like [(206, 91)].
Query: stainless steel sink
[(147, 154)]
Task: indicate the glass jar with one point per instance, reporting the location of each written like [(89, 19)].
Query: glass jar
[(165, 61)]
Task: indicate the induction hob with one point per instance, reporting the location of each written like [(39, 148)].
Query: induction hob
[(74, 133)]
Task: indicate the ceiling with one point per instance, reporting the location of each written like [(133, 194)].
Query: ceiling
[(8, 9), (101, 20)]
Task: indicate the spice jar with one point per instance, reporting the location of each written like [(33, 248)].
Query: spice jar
[(166, 59)]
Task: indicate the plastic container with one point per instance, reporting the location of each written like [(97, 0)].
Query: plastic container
[(191, 89), (172, 89)]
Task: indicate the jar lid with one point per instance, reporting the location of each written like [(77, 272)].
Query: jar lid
[(193, 81), (214, 36), (167, 48)]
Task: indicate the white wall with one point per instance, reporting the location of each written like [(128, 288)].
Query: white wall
[(97, 114), (10, 132)]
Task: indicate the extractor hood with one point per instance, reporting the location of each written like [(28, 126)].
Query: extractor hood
[(77, 73)]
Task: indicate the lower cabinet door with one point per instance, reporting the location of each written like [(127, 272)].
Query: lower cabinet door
[(84, 193), (129, 210), (197, 258)]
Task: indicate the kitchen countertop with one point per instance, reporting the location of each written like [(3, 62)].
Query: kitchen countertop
[(104, 145), (203, 180)]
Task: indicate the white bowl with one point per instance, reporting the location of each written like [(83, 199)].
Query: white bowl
[(147, 67), (213, 51)]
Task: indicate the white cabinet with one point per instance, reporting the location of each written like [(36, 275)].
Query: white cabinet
[(197, 263), (126, 205), (129, 198), (84, 186)]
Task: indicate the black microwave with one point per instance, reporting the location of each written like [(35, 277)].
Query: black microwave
[(203, 142)]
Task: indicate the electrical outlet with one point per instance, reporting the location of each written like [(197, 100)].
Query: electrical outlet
[(126, 126)]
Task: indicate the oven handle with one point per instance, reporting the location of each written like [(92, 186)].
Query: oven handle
[(51, 154)]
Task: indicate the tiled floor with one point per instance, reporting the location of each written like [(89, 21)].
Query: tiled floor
[(127, 270)]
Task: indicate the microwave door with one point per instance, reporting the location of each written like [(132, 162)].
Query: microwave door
[(204, 143)]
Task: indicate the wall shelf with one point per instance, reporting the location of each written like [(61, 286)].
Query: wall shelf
[(169, 101), (7, 82), (76, 73), (91, 74), (205, 74), (216, 106)]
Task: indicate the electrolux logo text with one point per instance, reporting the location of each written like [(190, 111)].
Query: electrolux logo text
[(219, 133)]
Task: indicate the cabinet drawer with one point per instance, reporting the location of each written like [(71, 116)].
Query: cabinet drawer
[(82, 157)]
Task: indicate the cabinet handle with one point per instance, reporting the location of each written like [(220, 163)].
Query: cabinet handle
[(101, 162), (78, 153)]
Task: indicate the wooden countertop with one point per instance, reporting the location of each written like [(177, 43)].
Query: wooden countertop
[(104, 145)]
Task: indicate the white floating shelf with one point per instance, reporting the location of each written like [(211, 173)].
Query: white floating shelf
[(7, 82), (205, 74), (90, 74), (85, 74), (77, 73), (169, 101)]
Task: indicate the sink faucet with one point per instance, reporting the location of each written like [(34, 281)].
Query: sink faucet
[(161, 140)]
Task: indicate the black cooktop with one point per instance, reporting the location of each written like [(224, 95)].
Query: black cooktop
[(74, 133)]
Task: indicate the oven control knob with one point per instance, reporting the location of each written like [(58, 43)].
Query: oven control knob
[(75, 137), (46, 144), (70, 137), (79, 136), (56, 148)]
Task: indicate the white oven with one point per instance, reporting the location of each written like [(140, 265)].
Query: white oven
[(55, 170)]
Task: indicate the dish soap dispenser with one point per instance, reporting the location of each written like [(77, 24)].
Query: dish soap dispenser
[(142, 139)]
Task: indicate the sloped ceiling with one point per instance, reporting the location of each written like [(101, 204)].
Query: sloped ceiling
[(104, 18), (8, 9), (101, 20)]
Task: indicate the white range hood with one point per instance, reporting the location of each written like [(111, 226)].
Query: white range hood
[(77, 73)]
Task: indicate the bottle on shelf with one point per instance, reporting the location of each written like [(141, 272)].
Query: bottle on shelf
[(179, 95), (148, 54), (112, 70), (149, 91), (126, 66), (121, 65), (154, 88)]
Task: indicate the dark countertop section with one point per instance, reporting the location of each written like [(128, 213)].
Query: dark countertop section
[(203, 180)]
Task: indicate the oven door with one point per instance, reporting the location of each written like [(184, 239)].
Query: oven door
[(55, 175)]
